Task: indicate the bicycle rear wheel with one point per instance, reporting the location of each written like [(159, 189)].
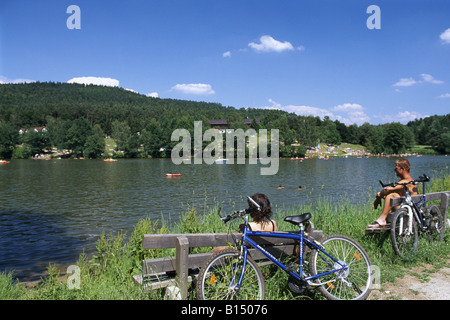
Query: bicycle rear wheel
[(218, 279), (352, 283), (435, 224), (404, 233)]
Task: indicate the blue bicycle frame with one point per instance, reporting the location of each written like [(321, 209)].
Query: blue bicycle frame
[(286, 235)]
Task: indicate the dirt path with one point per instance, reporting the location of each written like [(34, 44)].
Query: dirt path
[(417, 284)]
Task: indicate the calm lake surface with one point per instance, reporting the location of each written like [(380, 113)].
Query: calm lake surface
[(51, 210)]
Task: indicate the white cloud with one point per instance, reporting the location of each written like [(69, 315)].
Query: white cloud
[(153, 94), (403, 117), (4, 80), (308, 111), (445, 36), (445, 95), (194, 88), (131, 90), (429, 78), (99, 81), (347, 113), (348, 107), (351, 113), (405, 82), (300, 110), (269, 44)]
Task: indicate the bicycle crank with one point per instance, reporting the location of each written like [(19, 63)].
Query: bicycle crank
[(296, 286)]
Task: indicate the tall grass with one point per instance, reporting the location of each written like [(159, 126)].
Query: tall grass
[(108, 274)]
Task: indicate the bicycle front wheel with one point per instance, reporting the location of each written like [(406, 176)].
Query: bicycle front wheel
[(351, 283), (218, 279), (404, 233)]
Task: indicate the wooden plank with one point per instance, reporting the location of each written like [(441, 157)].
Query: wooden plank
[(162, 241), (160, 281), (167, 264), (182, 252), (430, 197), (444, 204), (377, 230)]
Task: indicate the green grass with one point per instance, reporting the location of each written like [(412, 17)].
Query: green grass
[(108, 274), (423, 149)]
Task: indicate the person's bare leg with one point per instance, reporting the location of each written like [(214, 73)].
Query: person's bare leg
[(381, 221)]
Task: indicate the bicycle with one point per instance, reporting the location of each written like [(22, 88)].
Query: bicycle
[(413, 217), (340, 268)]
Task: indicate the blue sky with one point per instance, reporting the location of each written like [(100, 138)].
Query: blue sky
[(305, 56)]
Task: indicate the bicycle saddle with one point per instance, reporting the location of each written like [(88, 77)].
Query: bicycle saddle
[(296, 220)]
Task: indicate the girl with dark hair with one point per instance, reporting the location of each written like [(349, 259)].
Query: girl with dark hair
[(261, 217)]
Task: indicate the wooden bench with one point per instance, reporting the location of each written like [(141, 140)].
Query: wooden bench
[(181, 269), (443, 206)]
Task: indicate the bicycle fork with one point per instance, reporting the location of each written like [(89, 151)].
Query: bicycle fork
[(241, 266), (409, 229)]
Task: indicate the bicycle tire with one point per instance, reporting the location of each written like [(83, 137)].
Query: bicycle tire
[(435, 224), (353, 283), (218, 276), (404, 240)]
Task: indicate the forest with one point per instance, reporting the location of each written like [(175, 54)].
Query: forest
[(78, 117)]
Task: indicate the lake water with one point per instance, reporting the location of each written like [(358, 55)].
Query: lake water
[(51, 210)]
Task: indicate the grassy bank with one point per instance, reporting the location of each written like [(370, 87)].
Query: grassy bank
[(108, 274)]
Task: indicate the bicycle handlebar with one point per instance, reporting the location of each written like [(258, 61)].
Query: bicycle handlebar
[(240, 213), (235, 214), (421, 179)]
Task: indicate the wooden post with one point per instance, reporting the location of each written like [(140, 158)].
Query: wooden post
[(182, 256), (444, 207)]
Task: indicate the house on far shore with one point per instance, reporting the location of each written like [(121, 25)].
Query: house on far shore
[(219, 124), (223, 124), (37, 129)]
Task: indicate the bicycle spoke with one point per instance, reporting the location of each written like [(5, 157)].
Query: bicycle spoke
[(352, 278), (219, 279)]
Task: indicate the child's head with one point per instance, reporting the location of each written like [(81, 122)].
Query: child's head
[(264, 203)]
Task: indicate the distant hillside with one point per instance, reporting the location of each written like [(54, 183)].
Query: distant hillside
[(28, 105), (78, 117)]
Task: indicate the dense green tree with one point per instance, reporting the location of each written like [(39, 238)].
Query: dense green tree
[(443, 145), (77, 135), (330, 134), (95, 143), (395, 140), (8, 139), (120, 132), (374, 139), (36, 141)]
